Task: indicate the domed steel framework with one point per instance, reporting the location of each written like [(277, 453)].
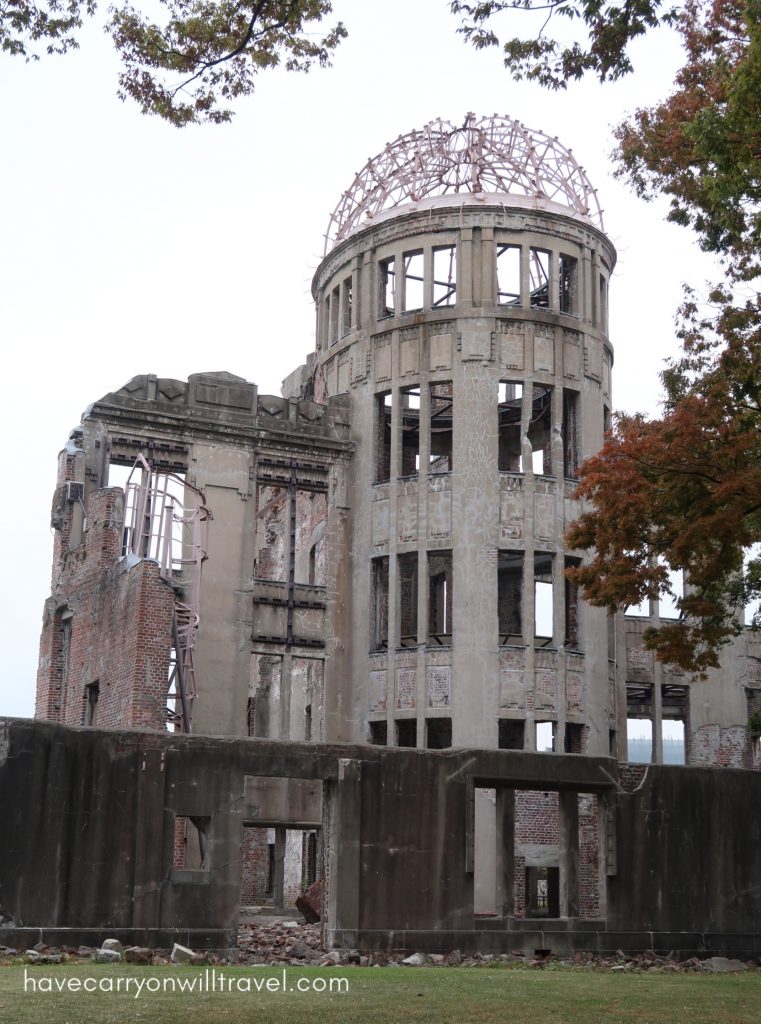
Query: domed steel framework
[(484, 155)]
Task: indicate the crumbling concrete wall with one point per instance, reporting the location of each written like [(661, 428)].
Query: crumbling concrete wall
[(682, 862)]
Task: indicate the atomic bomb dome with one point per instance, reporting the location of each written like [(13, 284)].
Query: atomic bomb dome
[(496, 158)]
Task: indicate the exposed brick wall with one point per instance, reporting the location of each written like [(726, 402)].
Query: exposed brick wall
[(589, 854), (255, 871), (630, 776), (120, 620), (536, 817), (713, 747)]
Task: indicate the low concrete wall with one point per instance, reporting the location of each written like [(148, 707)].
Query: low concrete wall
[(89, 820)]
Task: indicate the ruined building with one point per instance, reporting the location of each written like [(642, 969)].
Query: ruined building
[(377, 559)]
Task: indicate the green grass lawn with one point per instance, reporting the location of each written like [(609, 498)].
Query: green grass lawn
[(390, 995)]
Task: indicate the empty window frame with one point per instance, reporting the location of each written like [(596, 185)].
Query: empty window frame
[(603, 303), (539, 278), (309, 537), (668, 604), (438, 733), (543, 599), (574, 738), (383, 437), (410, 424), (545, 737), (378, 733), (335, 310), (675, 704), (440, 421), (571, 589), (407, 577), (444, 276), (540, 430), (639, 740), (272, 532), (543, 892), (510, 734), (570, 433), (510, 596), (264, 699), (92, 694), (406, 732), (508, 275), (414, 280), (568, 282), (379, 604), (347, 301), (440, 597), (607, 422), (387, 287), (509, 411)]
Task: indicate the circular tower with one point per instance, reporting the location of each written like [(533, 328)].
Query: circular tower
[(462, 307)]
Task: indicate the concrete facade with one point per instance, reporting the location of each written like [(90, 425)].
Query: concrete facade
[(382, 565)]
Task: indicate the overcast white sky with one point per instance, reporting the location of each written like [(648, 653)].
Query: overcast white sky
[(128, 246)]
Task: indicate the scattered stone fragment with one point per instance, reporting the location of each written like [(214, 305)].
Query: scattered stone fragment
[(112, 944), (181, 954), (416, 960), (310, 903), (107, 956), (721, 965), (138, 955)]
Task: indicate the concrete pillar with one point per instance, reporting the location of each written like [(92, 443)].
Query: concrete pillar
[(278, 893), (569, 853), (505, 875), (343, 855)]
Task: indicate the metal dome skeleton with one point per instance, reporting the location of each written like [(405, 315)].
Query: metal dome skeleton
[(487, 155)]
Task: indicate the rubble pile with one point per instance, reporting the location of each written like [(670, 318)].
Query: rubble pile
[(279, 942)]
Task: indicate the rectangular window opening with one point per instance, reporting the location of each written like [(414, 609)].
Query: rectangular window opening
[(438, 733), (540, 431), (92, 694), (571, 589), (378, 733), (673, 737), (346, 307), (264, 695), (539, 278), (335, 310), (407, 576), (568, 280), (510, 411), (511, 732), (440, 429), (545, 737), (603, 304), (668, 607), (387, 287), (413, 280), (508, 275), (444, 276), (272, 530), (639, 740), (383, 437), (410, 419), (543, 599), (379, 573), (570, 433), (574, 738), (406, 732), (543, 892), (309, 537), (510, 596), (440, 597)]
